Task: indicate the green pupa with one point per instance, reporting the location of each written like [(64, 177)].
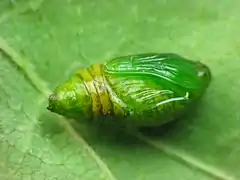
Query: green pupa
[(148, 89)]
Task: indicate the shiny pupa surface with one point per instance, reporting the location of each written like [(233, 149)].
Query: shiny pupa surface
[(144, 89)]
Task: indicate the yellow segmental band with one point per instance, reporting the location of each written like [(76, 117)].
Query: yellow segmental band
[(88, 79), (101, 89)]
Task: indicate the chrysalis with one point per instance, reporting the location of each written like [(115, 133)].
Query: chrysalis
[(143, 89)]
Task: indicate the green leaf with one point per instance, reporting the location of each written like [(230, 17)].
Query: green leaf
[(43, 42)]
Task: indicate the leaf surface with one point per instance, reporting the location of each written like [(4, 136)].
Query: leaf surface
[(43, 42)]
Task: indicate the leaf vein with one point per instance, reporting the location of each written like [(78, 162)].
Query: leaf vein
[(41, 86), (186, 159)]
